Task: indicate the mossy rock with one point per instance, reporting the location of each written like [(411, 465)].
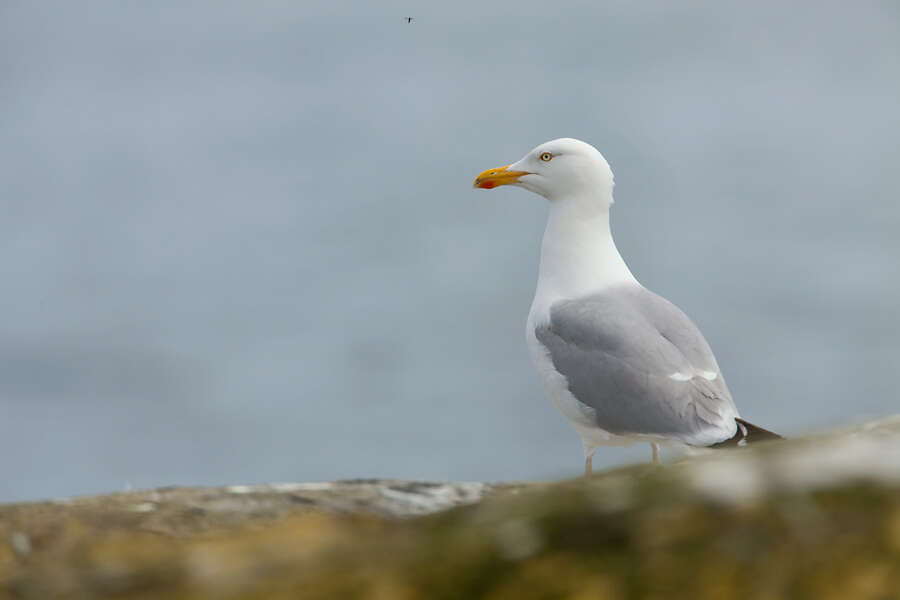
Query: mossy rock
[(816, 518)]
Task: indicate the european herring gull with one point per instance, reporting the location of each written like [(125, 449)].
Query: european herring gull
[(621, 363)]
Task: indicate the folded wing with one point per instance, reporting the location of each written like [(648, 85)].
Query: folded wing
[(640, 366)]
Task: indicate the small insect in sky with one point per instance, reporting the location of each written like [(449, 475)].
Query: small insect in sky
[(409, 20)]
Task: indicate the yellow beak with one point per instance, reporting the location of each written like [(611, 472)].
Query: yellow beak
[(497, 176)]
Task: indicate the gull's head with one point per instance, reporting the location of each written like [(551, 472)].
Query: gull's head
[(557, 170)]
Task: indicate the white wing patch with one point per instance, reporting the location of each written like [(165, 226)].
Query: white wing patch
[(707, 375), (681, 376)]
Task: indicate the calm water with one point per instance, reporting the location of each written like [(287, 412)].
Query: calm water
[(239, 244)]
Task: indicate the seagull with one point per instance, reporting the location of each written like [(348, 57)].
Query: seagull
[(622, 364)]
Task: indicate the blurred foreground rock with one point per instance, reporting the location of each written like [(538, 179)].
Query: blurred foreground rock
[(817, 517)]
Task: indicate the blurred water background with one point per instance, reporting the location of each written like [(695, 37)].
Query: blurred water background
[(238, 242)]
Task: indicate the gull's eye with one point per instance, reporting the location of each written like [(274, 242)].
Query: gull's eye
[(546, 156)]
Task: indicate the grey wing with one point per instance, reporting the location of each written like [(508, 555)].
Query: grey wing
[(677, 328), (640, 365)]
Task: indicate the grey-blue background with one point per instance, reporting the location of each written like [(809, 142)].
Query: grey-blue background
[(238, 241)]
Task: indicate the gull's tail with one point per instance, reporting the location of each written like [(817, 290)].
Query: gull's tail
[(747, 433)]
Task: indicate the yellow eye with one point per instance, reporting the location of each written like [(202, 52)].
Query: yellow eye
[(546, 156)]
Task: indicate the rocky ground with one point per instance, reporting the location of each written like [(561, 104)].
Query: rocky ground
[(815, 517)]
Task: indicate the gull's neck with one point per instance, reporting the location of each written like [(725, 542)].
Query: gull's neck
[(578, 255)]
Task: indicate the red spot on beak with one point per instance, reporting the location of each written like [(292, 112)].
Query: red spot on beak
[(487, 185)]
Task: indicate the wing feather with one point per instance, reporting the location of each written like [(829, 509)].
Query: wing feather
[(619, 351)]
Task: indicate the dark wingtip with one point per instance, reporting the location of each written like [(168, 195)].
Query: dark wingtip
[(747, 433)]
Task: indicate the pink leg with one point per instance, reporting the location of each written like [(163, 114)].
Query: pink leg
[(588, 465)]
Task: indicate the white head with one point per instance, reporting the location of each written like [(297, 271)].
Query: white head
[(559, 170)]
